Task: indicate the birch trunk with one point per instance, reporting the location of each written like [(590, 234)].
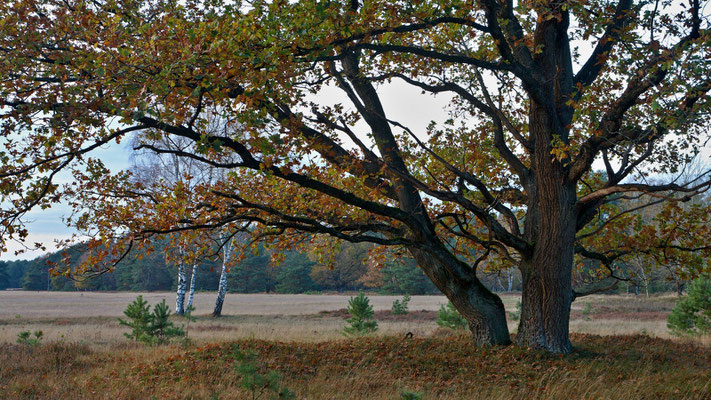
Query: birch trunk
[(192, 286), (182, 286), (222, 288)]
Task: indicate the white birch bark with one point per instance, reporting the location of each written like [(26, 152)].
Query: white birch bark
[(222, 288), (510, 279), (192, 286), (182, 286)]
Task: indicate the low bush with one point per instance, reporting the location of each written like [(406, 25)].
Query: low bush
[(407, 395), (449, 317), (361, 320), (150, 328), (692, 314), (257, 383), (400, 307), (26, 339)]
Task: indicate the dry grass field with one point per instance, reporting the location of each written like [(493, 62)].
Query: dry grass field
[(85, 355), (92, 317), (103, 304)]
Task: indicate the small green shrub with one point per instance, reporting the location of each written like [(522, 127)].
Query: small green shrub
[(587, 311), (26, 339), (516, 315), (400, 307), (361, 320), (161, 329), (407, 395), (449, 317), (692, 314), (139, 315), (147, 327), (258, 383)]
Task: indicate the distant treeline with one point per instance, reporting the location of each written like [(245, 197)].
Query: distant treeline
[(351, 270), (256, 273)]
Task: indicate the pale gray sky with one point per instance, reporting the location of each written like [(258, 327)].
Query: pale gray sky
[(46, 226)]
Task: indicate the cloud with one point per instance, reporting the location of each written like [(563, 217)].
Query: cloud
[(47, 239)]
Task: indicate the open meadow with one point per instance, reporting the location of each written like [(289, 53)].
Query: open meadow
[(85, 355), (92, 318)]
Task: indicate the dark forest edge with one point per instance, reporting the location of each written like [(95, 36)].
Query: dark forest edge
[(352, 270), (256, 273)]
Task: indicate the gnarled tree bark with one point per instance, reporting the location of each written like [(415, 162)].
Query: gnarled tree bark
[(483, 310)]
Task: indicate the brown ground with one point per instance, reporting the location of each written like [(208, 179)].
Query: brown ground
[(28, 304), (443, 366), (92, 318)]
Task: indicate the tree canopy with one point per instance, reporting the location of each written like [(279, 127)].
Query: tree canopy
[(560, 112)]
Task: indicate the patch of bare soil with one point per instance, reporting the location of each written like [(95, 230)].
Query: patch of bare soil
[(340, 313), (421, 315), (213, 328), (385, 315), (637, 316)]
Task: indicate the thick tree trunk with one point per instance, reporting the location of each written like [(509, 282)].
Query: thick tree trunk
[(193, 279), (547, 273), (182, 286), (481, 308), (545, 306), (551, 217)]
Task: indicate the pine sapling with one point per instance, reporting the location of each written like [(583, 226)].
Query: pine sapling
[(254, 381), (147, 327), (26, 339), (138, 313), (162, 330), (449, 317), (361, 320), (692, 314), (400, 307)]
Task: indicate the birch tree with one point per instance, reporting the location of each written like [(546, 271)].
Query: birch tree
[(227, 249), (151, 168)]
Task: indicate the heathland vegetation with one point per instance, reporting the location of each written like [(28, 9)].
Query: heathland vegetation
[(623, 350), (444, 367)]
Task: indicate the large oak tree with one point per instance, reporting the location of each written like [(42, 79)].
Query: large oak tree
[(543, 94)]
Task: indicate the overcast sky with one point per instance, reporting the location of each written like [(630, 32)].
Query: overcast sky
[(46, 226)]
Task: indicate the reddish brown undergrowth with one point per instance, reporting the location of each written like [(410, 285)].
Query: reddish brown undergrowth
[(446, 367)]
